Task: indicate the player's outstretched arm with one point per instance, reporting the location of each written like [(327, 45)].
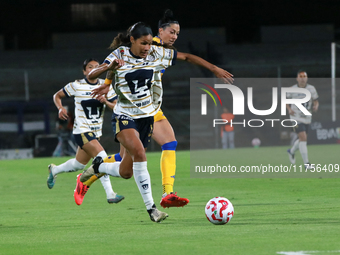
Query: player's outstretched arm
[(114, 65), (96, 72), (218, 72)]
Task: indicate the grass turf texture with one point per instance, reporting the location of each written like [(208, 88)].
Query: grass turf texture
[(271, 215)]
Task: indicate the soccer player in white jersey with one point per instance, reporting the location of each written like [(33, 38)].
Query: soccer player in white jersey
[(87, 127), (138, 67), (303, 121), (163, 133)]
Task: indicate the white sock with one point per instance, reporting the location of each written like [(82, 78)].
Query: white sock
[(102, 154), (110, 168), (71, 165), (303, 151), (143, 181), (105, 180), (295, 146)]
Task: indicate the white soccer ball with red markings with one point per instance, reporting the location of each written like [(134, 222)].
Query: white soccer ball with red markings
[(219, 210)]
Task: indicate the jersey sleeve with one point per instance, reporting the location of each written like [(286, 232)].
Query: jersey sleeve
[(113, 55), (314, 93), (70, 89), (167, 56)]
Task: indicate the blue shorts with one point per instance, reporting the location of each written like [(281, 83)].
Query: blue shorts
[(301, 127), (144, 126), (84, 138)]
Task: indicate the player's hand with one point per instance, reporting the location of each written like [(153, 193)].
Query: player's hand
[(224, 75), (116, 64), (101, 99), (102, 90), (315, 108), (62, 114)]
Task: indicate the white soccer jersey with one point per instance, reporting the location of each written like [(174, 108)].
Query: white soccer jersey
[(89, 112), (299, 116), (138, 83)]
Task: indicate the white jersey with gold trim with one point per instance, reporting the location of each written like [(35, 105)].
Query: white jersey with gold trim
[(89, 112), (299, 116), (138, 83)]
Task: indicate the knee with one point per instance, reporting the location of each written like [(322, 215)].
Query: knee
[(171, 146), (139, 156), (126, 175)]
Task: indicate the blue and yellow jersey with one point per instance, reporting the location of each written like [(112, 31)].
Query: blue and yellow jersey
[(157, 40)]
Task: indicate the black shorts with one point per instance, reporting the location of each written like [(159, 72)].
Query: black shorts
[(144, 127), (84, 138), (301, 127)]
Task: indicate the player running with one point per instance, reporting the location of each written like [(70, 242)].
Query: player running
[(303, 121), (87, 127), (163, 133)]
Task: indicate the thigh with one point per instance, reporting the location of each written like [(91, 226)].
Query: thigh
[(92, 148), (163, 132), (129, 139)]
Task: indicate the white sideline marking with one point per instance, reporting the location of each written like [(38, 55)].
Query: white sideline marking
[(304, 252)]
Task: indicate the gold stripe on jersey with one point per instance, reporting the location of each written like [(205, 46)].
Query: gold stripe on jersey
[(68, 92), (142, 107), (72, 87)]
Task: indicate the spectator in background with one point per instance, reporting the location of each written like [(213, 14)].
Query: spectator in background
[(64, 129), (227, 131)]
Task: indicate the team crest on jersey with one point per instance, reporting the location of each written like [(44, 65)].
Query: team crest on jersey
[(125, 122)]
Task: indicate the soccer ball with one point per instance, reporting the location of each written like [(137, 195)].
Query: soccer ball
[(219, 210), (256, 142)]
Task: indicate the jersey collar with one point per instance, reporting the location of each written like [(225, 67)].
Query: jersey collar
[(87, 81)]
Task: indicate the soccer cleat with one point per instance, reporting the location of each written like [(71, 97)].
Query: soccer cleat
[(172, 200), (116, 199), (156, 215), (80, 191), (309, 166), (51, 178), (291, 157), (95, 177), (92, 170)]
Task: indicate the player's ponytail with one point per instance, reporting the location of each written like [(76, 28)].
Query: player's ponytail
[(167, 19), (119, 40), (137, 30)]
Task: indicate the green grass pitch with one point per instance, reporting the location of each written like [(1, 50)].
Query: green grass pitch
[(271, 215)]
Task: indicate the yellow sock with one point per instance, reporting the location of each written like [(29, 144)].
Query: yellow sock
[(168, 169), (108, 159)]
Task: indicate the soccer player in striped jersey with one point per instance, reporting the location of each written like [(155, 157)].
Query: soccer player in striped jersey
[(163, 133), (87, 127), (303, 121), (137, 65)]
